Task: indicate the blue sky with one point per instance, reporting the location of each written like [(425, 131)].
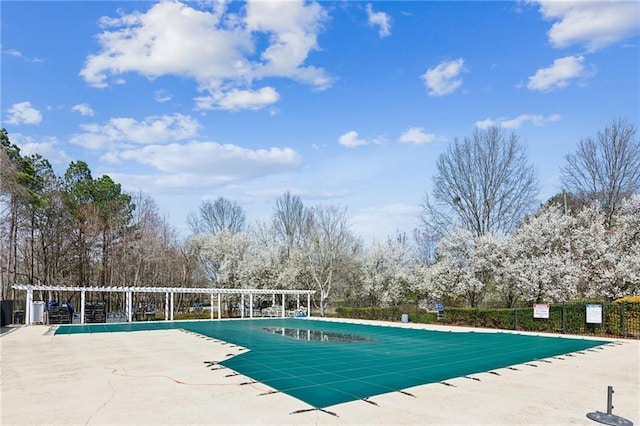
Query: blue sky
[(346, 103)]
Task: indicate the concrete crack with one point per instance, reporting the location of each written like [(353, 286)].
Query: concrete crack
[(113, 394)]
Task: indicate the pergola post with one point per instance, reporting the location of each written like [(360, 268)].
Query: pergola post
[(166, 306), (82, 299), (242, 305), (211, 305), (171, 308), (308, 304), (28, 309), (283, 305), (250, 305), (219, 306), (129, 310)]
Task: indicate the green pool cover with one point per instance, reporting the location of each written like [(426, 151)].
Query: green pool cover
[(326, 363)]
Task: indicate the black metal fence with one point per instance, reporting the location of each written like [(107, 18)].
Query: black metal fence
[(615, 319)]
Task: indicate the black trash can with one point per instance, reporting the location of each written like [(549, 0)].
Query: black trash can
[(6, 310), (18, 317)]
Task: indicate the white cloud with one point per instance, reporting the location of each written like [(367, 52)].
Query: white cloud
[(17, 54), (351, 140), (486, 123), (595, 24), (380, 20), (444, 78), (558, 75), (162, 96), (151, 130), (216, 48), (416, 135), (84, 109), (214, 162), (47, 147), (176, 184), (517, 122), (381, 221), (23, 113), (236, 99), (293, 27), (272, 193)]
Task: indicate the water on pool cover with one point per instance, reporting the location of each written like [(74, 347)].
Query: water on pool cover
[(318, 335)]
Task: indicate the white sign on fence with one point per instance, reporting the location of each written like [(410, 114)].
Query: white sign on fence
[(594, 314), (541, 310)]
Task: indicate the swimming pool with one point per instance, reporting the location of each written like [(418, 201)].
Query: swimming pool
[(354, 361)]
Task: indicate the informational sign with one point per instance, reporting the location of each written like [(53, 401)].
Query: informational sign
[(439, 307), (594, 314), (541, 310)]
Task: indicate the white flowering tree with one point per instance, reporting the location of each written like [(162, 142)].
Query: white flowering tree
[(610, 258), (389, 272), (627, 239), (454, 273), (223, 257), (591, 246), (541, 260)]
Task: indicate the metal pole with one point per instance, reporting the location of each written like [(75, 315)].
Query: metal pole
[(609, 418)]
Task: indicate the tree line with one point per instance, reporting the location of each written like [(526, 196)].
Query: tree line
[(483, 238)]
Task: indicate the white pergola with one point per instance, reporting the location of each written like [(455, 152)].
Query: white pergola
[(169, 297)]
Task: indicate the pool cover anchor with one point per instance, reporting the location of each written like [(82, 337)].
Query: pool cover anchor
[(370, 402), (609, 418), (306, 410)]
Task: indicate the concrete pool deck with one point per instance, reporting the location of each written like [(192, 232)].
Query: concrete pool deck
[(161, 378)]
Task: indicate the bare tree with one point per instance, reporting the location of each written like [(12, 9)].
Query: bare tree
[(426, 244), (289, 218), (606, 169), (330, 251), (483, 184), (215, 216)]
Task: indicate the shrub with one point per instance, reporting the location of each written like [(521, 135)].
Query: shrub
[(628, 299)]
